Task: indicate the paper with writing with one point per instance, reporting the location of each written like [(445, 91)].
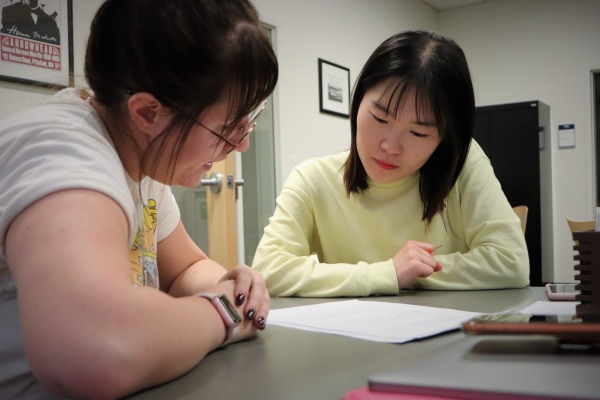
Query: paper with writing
[(372, 320)]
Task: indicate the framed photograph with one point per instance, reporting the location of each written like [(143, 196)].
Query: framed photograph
[(36, 42), (334, 89)]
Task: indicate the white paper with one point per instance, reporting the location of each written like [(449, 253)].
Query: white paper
[(566, 136), (550, 308), (371, 320)]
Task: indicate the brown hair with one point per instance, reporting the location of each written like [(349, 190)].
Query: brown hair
[(187, 53)]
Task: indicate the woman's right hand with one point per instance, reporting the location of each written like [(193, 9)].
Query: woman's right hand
[(414, 260)]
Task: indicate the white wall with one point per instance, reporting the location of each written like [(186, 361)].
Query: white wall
[(541, 50), (518, 51)]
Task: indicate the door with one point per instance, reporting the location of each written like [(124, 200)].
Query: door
[(221, 212)]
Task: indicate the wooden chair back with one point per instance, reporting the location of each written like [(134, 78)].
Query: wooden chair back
[(521, 212), (580, 226)]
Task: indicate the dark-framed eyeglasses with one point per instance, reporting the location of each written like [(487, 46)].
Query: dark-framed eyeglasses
[(244, 130)]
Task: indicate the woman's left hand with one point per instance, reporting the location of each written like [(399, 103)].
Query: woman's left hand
[(250, 288)]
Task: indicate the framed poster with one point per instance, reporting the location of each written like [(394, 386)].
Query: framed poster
[(36, 42), (334, 89)]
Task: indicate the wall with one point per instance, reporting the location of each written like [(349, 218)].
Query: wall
[(540, 50)]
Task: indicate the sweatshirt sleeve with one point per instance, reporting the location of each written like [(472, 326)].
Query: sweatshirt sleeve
[(285, 254), (492, 249)]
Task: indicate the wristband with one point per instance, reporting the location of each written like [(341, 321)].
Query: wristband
[(226, 310)]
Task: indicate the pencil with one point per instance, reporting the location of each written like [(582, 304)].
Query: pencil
[(434, 248)]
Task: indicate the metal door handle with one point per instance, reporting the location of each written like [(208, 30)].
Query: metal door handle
[(234, 183), (214, 182), (231, 183)]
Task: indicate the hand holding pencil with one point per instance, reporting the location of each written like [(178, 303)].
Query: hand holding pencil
[(412, 262)]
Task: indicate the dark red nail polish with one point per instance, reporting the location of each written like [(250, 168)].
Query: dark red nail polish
[(239, 299)]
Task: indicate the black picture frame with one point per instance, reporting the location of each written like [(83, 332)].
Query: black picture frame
[(334, 89), (36, 42)]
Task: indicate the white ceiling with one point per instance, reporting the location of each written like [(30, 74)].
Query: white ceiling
[(448, 4)]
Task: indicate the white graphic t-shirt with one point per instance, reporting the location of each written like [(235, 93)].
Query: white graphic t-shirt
[(57, 146)]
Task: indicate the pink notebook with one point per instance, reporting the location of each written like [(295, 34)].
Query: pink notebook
[(363, 393)]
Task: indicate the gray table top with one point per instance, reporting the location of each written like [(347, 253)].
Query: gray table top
[(284, 363)]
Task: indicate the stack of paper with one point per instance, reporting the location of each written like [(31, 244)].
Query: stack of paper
[(372, 320)]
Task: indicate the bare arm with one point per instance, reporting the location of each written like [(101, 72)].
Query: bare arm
[(186, 270), (178, 256), (68, 253)]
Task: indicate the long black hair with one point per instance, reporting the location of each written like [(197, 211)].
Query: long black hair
[(436, 69)]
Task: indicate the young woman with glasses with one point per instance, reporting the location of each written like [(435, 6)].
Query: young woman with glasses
[(412, 179), (102, 291)]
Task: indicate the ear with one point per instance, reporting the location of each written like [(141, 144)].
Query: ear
[(148, 115)]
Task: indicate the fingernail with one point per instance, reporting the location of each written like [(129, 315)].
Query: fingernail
[(239, 299), (261, 322), (251, 314)]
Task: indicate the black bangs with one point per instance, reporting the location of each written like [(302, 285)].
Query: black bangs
[(429, 105)]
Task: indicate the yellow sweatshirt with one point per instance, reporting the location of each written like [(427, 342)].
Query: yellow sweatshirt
[(354, 238)]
